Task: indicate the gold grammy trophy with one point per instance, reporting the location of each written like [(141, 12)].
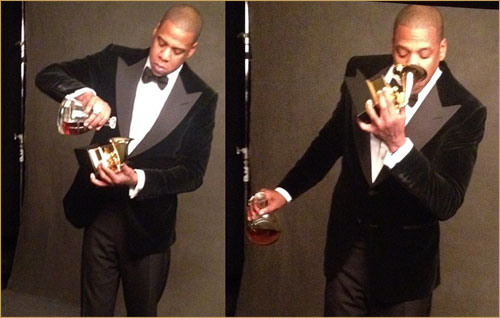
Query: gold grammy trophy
[(408, 75), (112, 155)]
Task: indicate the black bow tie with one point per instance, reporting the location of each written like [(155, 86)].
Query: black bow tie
[(413, 100), (148, 76), (394, 83)]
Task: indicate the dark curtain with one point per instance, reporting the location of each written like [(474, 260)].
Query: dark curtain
[(235, 138), (11, 128)]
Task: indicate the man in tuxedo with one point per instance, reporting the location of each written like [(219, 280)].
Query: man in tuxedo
[(403, 171), (168, 111)]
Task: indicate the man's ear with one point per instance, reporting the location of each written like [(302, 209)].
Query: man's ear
[(192, 50), (443, 47)]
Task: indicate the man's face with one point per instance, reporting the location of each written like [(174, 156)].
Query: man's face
[(420, 46), (170, 47)]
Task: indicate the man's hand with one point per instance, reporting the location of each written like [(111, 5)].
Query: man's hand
[(389, 125), (109, 178), (274, 201), (98, 110)]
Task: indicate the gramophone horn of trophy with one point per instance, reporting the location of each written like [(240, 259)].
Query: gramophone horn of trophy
[(408, 75), (120, 144)]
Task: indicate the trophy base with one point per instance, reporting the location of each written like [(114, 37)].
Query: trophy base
[(89, 157)]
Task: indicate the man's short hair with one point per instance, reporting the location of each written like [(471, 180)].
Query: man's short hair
[(418, 16), (186, 17)]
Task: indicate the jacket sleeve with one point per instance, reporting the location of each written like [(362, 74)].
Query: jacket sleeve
[(60, 79), (320, 156), (440, 183)]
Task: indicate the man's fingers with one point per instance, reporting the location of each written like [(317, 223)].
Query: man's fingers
[(252, 212), (274, 202), (365, 127), (89, 122), (383, 104), (370, 110), (264, 211), (103, 120), (107, 177), (96, 181), (387, 103), (253, 209), (104, 175), (97, 120), (402, 111), (99, 114), (90, 105)]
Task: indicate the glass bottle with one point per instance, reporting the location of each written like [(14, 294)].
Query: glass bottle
[(71, 117), (266, 229)]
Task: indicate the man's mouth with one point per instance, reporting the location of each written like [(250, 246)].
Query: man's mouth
[(159, 69)]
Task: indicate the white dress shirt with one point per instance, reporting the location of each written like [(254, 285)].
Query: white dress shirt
[(380, 154), (148, 103)]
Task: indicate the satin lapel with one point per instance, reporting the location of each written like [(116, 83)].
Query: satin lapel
[(359, 94), (127, 78), (426, 122), (429, 118), (175, 109)]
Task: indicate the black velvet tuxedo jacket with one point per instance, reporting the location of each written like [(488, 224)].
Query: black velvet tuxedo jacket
[(402, 208), (173, 155)]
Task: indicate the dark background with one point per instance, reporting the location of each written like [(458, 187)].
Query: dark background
[(48, 253), (11, 128), (300, 51)]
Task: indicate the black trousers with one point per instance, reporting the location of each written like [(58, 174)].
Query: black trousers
[(106, 261), (347, 293)]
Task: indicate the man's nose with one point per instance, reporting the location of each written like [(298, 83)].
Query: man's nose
[(165, 54), (413, 59)]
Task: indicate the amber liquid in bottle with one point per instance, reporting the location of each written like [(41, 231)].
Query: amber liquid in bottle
[(264, 230), (71, 118), (73, 128), (263, 236)]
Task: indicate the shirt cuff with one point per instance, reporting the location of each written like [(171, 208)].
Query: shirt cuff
[(392, 159), (284, 193), (79, 92), (141, 180)]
